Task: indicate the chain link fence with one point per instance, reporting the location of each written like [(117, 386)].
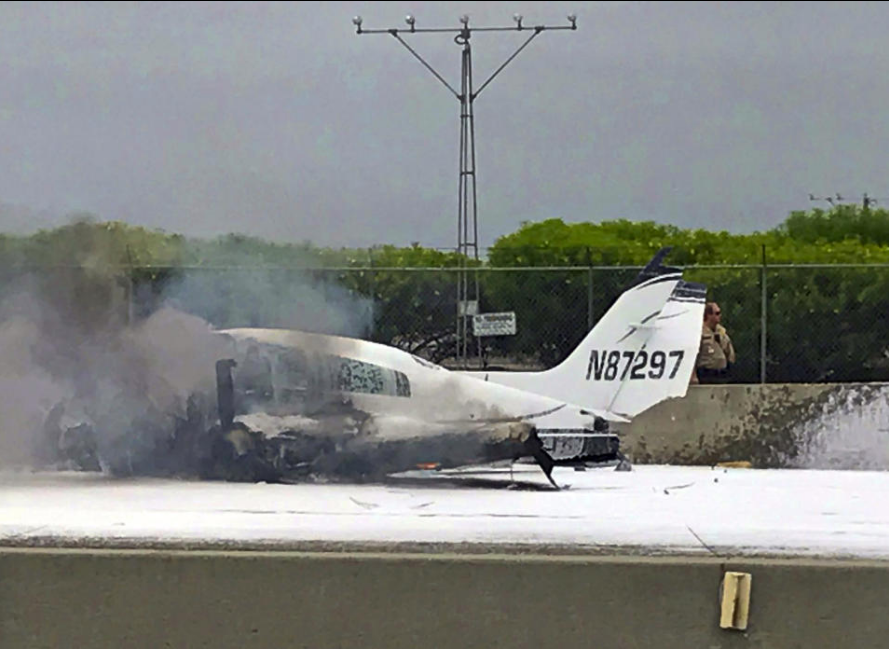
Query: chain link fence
[(789, 324)]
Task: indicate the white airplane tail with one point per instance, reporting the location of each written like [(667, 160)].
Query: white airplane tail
[(641, 352)]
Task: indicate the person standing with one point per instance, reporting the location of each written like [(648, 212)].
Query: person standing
[(716, 354)]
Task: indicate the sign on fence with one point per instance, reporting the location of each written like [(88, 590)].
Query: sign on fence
[(494, 324)]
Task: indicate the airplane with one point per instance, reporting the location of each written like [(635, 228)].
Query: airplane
[(306, 404), (292, 406)]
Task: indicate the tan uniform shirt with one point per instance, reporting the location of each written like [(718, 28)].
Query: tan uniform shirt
[(726, 343), (716, 351)]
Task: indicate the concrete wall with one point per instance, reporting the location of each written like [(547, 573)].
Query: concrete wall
[(106, 598), (764, 424)]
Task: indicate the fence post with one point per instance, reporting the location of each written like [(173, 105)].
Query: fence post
[(131, 299), (589, 290), (763, 318), (372, 284)]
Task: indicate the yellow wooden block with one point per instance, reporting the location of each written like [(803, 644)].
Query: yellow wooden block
[(735, 605), (739, 464)]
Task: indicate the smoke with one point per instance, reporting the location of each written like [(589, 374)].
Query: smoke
[(27, 392), (82, 345), (117, 371), (850, 432), (274, 298)]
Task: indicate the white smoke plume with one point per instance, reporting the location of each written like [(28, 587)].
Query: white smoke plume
[(80, 345), (274, 298)]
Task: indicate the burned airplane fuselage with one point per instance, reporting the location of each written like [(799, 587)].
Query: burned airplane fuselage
[(306, 411), (285, 414)]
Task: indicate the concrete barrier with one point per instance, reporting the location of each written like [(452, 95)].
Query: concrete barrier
[(106, 598), (769, 425)]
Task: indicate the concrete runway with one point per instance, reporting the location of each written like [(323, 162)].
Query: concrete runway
[(651, 510)]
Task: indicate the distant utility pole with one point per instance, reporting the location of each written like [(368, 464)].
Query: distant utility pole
[(467, 203), (837, 199)]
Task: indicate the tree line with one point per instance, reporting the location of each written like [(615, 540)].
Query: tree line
[(814, 282)]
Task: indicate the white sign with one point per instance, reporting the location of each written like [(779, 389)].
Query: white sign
[(494, 324), (467, 307)]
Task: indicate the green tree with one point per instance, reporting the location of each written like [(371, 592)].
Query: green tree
[(823, 323), (414, 292)]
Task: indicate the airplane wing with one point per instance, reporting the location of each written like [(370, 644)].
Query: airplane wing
[(501, 420), (529, 417)]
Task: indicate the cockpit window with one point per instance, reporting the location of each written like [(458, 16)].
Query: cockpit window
[(402, 385), (295, 376), (253, 381)]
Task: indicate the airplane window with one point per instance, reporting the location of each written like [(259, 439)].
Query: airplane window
[(295, 367), (253, 379), (296, 371), (356, 376), (299, 373), (402, 385), (350, 375)]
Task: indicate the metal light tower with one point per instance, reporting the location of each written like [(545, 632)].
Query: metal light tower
[(467, 203)]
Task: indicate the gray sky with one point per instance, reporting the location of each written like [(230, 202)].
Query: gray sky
[(277, 120)]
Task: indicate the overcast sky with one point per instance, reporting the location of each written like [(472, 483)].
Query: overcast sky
[(277, 120)]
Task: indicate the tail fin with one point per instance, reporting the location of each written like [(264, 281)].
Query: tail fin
[(640, 352), (665, 353)]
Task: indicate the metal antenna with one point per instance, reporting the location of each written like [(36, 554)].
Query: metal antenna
[(467, 202), (867, 202)]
